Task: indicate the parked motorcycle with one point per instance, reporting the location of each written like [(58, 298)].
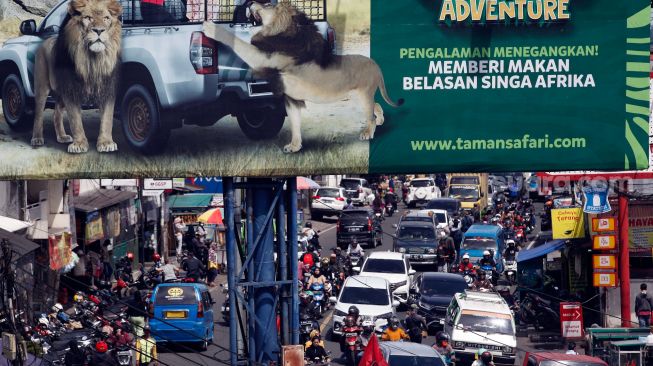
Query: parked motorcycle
[(225, 304), (123, 355), (538, 312)]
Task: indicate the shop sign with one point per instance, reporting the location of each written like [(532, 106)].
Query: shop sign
[(604, 261), (568, 223), (149, 183), (94, 228), (605, 279), (119, 182), (571, 320), (601, 225), (596, 199), (604, 242)]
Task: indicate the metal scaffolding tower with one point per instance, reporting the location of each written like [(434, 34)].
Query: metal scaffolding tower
[(263, 284)]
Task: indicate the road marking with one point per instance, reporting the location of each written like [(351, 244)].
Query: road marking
[(327, 321), (330, 228)]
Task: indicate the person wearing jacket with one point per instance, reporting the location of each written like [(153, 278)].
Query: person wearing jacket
[(643, 307), (146, 349), (394, 332)]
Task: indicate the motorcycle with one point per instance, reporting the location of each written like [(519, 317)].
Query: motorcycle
[(470, 276), (510, 270), (538, 312), (123, 355), (306, 325), (490, 273), (354, 259), (225, 304), (317, 291), (351, 339), (389, 209)]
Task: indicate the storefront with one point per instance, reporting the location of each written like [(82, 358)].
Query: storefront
[(188, 208)]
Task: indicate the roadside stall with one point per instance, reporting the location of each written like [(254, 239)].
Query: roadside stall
[(600, 340), (188, 208)]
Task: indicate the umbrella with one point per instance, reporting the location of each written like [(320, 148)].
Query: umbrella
[(306, 183), (212, 216)]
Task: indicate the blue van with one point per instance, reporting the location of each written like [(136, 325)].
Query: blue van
[(481, 237), (183, 312)]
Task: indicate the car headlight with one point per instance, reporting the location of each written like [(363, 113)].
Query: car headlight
[(431, 251), (340, 313), (508, 349), (402, 250)]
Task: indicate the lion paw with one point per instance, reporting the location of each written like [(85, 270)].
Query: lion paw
[(38, 141), (367, 134), (65, 139), (210, 29), (292, 148), (108, 146), (78, 147)]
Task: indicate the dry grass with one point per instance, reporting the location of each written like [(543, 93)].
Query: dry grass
[(349, 16)]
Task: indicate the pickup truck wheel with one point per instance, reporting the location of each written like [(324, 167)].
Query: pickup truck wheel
[(261, 123), (15, 104), (141, 123)]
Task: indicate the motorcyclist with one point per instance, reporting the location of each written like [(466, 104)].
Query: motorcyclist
[(456, 232), (377, 203), (316, 277), (444, 348), (482, 283), (367, 333), (316, 351), (354, 247), (466, 265), (487, 260), (327, 269), (467, 221), (100, 356), (309, 257), (394, 332), (120, 338), (314, 333), (484, 359), (354, 313), (311, 235), (511, 250), (124, 268), (415, 324), (391, 198), (349, 205), (350, 322), (194, 267), (446, 254)]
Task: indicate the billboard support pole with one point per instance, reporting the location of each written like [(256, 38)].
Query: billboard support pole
[(292, 245), (231, 267), (283, 267), (624, 258)]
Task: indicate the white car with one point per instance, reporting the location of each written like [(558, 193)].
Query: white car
[(422, 190), (371, 295), (358, 189), (328, 201), (395, 268), (444, 221)]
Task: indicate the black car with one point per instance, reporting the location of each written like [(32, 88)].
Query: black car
[(361, 224), (433, 292), (452, 205)]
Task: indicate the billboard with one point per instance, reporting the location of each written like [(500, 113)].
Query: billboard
[(568, 223), (464, 85)]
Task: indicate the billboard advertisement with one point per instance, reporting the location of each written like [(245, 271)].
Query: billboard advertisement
[(365, 87)]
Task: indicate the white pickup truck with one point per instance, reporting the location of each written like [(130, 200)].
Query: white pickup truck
[(421, 190)]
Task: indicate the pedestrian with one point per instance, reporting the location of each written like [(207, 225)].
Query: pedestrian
[(136, 311), (212, 264), (146, 349), (415, 324), (107, 269), (179, 228), (643, 307), (571, 348)]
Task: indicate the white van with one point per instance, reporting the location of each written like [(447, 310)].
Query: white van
[(481, 320)]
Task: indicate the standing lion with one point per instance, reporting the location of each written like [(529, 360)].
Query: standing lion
[(289, 50), (80, 66)]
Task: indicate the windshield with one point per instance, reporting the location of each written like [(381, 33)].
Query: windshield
[(477, 243), (437, 286), (481, 321), (416, 233), (449, 205), (384, 266), (464, 193), (419, 183), (333, 193), (415, 361), (177, 295), (364, 296), (464, 180), (350, 183)]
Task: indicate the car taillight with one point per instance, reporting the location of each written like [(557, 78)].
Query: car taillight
[(369, 224), (316, 197), (200, 310), (331, 38), (340, 199), (203, 54)]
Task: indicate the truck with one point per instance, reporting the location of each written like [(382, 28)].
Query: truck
[(171, 73), (471, 189)]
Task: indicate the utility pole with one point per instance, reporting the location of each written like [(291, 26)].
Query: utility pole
[(9, 294)]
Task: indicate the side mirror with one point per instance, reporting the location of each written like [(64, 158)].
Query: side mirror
[(395, 303), (28, 27), (356, 269), (394, 226), (333, 300), (411, 272)]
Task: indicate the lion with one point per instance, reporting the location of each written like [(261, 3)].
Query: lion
[(289, 49), (80, 66)]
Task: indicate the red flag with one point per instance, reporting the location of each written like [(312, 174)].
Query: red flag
[(372, 355)]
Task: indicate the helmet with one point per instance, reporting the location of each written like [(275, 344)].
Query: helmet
[(121, 283), (130, 256), (333, 255), (95, 299), (368, 325), (310, 248), (101, 346), (466, 256), (350, 321), (510, 242), (337, 250), (441, 337), (390, 190), (78, 297), (486, 252), (309, 224), (44, 320), (57, 307), (325, 261), (156, 257), (353, 311), (354, 241), (486, 357), (394, 322), (146, 328)]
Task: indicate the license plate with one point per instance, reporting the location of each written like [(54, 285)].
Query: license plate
[(175, 314), (354, 229)]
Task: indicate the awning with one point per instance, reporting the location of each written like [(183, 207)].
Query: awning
[(13, 225), (541, 250), (194, 200), (101, 198), (19, 244)]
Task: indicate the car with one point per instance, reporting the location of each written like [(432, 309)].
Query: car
[(361, 224), (410, 354), (421, 190), (372, 297), (418, 241), (433, 292), (358, 189), (561, 359), (395, 268), (451, 205), (162, 88), (481, 320), (439, 218), (328, 201), (481, 237), (182, 312)]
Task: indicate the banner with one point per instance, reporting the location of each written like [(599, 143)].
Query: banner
[(462, 86), (60, 250), (568, 223), (596, 199), (94, 227)]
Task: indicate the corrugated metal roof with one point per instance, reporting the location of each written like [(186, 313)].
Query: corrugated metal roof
[(100, 198), (19, 244), (194, 200)]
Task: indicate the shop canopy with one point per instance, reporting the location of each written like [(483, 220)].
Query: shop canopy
[(190, 201), (101, 198), (541, 250), (13, 225), (19, 244)]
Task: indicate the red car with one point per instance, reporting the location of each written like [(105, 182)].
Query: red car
[(560, 359)]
